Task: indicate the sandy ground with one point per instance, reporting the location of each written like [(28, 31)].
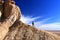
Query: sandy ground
[(55, 31)]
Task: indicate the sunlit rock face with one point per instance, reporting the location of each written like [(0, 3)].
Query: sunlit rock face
[(9, 14), (21, 31)]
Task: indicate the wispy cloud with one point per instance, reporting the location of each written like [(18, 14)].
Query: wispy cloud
[(28, 19), (51, 26), (41, 24)]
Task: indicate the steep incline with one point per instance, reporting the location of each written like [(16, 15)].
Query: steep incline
[(21, 31)]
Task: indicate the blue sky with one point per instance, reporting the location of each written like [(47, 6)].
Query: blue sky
[(45, 13)]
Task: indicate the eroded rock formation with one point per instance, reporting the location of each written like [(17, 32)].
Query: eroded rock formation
[(8, 21), (13, 29)]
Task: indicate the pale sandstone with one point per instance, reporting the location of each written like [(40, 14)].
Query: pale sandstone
[(8, 22)]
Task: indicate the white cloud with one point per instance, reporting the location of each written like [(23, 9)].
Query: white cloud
[(40, 24), (51, 26), (27, 19)]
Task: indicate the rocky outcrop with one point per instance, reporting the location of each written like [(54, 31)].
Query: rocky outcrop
[(17, 30), (8, 19), (4, 26)]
